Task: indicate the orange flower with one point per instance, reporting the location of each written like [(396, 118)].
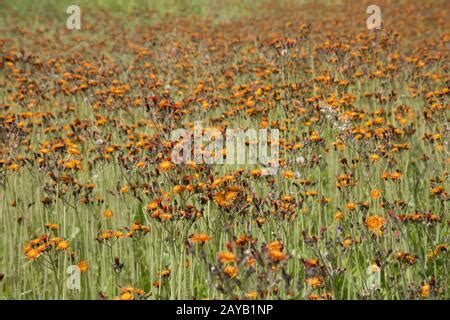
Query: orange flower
[(313, 282), (375, 194), (51, 226), (140, 164), (242, 240), (375, 223), (311, 262), (105, 235), (277, 255), (117, 234), (72, 164), (226, 257), (164, 273), (177, 189), (288, 174), (165, 166), (338, 215), (201, 238), (83, 266), (32, 254), (165, 216), (396, 175), (347, 242), (437, 250), (63, 245), (260, 221), (13, 167), (275, 245), (126, 296), (437, 190), (351, 206), (225, 198), (425, 290), (107, 214), (230, 271), (152, 205)]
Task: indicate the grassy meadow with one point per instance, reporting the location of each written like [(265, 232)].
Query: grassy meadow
[(359, 208)]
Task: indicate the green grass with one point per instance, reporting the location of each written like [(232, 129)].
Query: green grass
[(123, 43)]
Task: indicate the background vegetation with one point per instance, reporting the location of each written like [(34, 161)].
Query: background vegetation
[(86, 176)]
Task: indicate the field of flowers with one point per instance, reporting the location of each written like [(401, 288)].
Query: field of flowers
[(359, 206)]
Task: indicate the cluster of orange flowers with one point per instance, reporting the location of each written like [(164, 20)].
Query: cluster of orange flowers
[(136, 230), (130, 293), (363, 164), (45, 244)]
